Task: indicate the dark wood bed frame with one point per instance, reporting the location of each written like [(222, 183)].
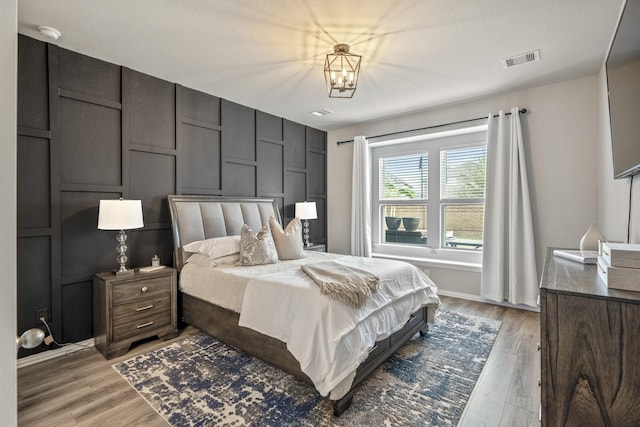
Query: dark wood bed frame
[(218, 218)]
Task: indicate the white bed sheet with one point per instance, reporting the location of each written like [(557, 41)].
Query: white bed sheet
[(224, 285)]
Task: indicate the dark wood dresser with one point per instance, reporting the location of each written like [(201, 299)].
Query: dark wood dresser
[(131, 308), (590, 348)]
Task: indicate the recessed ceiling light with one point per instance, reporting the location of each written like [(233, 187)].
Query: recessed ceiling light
[(321, 112), (49, 32)]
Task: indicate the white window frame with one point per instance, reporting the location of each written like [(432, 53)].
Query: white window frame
[(431, 143)]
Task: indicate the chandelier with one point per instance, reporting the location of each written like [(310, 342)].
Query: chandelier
[(341, 72)]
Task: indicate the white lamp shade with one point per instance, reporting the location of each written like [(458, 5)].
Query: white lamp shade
[(306, 210), (120, 214)]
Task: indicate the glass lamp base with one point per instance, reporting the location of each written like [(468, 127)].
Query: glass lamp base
[(305, 233), (123, 273)]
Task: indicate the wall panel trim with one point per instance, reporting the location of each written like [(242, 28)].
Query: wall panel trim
[(201, 124), (35, 133), (96, 100), (91, 188)]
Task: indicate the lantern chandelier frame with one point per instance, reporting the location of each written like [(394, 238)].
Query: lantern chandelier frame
[(341, 70)]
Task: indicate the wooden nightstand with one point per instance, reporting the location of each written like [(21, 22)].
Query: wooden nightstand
[(128, 309), (316, 248)]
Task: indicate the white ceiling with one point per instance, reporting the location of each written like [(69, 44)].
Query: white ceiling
[(269, 54)]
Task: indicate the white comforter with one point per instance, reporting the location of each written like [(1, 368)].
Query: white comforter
[(287, 305)]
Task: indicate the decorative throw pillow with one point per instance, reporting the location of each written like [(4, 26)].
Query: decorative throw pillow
[(215, 247), (257, 249), (288, 241)]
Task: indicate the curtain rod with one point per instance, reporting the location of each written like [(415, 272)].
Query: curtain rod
[(521, 111)]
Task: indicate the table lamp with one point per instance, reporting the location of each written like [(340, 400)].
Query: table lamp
[(120, 215), (306, 211)]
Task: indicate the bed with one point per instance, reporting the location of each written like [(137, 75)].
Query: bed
[(196, 218)]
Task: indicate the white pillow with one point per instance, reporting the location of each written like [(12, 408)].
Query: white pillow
[(215, 247), (201, 260), (257, 249), (288, 241)]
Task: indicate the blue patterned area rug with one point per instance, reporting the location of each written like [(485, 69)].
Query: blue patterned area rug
[(202, 382)]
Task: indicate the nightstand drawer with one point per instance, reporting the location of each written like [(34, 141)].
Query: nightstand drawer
[(141, 324), (127, 292), (132, 311)]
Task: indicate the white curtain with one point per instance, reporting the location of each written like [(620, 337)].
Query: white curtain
[(508, 263), (361, 199)]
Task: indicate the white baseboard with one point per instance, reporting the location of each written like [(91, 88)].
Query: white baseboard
[(470, 297), (52, 354), (478, 298)]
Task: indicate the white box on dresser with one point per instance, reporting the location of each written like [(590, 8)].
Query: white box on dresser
[(619, 266), (621, 254)]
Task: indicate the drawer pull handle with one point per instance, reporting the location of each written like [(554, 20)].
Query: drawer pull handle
[(539, 347), (144, 289), (144, 325), (146, 307)]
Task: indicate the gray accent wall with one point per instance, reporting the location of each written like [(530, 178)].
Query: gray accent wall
[(90, 130)]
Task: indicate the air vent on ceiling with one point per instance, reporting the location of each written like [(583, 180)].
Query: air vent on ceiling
[(523, 58), (322, 112)]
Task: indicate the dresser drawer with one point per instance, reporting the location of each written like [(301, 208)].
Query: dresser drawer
[(126, 292), (140, 324)]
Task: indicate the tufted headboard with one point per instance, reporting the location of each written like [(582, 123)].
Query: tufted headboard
[(203, 217)]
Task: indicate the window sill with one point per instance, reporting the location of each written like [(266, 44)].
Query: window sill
[(434, 263)]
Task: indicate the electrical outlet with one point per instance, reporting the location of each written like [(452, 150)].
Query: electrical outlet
[(42, 312)]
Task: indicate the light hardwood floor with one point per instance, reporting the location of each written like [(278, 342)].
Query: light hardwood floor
[(83, 389)]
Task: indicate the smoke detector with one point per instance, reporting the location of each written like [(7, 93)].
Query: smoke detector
[(49, 32), (523, 58)]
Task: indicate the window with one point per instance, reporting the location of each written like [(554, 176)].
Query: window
[(429, 193), (462, 184), (403, 189)]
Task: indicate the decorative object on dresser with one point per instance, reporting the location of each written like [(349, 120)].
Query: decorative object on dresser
[(584, 257), (133, 307), (120, 215), (619, 266), (306, 211), (589, 242), (590, 375)]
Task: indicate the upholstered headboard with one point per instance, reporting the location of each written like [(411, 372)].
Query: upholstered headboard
[(203, 217)]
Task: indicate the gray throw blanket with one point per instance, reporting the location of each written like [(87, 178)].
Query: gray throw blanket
[(349, 285)]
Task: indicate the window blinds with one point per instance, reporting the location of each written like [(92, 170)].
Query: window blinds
[(462, 173), (404, 177)]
